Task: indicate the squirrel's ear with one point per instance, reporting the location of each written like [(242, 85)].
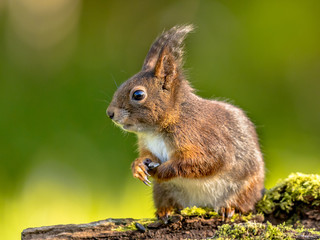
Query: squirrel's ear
[(166, 66), (167, 49)]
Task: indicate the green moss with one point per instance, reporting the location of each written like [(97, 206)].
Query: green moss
[(246, 218), (210, 213), (194, 211), (128, 227), (146, 221), (197, 211), (302, 229), (239, 231), (253, 230), (234, 217), (296, 188), (132, 226)]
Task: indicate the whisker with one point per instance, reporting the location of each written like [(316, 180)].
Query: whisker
[(103, 100), (104, 93), (114, 80)]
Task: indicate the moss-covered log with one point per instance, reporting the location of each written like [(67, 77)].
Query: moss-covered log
[(290, 210)]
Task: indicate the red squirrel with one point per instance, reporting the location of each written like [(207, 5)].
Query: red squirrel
[(199, 152)]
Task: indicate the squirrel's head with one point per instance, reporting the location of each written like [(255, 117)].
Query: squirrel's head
[(150, 99)]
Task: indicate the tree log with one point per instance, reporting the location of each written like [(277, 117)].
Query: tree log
[(290, 210)]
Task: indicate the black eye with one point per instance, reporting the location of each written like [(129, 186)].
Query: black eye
[(138, 95)]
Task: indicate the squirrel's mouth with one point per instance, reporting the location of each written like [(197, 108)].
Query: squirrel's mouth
[(131, 128), (127, 126), (121, 125)]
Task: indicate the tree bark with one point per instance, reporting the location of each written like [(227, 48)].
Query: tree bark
[(296, 200), (179, 227)]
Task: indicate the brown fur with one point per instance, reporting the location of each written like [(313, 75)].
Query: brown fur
[(205, 138)]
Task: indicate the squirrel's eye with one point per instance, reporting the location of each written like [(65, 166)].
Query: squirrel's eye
[(138, 95)]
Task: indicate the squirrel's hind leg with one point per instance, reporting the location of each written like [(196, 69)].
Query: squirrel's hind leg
[(164, 213), (164, 201)]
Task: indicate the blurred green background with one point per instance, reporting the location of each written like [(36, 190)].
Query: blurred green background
[(63, 161)]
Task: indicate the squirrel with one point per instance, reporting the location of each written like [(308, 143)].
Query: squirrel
[(199, 152)]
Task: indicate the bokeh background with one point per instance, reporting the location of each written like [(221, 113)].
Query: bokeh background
[(63, 161)]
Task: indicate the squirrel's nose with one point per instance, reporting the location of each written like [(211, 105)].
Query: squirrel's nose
[(110, 114)]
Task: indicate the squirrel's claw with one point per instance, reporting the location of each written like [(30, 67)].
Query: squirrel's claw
[(147, 180), (146, 183), (227, 213), (140, 170), (230, 212), (164, 213), (146, 172), (144, 179), (223, 214)]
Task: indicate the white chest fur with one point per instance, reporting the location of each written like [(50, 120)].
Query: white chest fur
[(157, 145)]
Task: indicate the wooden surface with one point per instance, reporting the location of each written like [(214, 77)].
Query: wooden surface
[(179, 227)]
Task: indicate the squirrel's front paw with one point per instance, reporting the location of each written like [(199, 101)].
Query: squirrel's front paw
[(140, 169)]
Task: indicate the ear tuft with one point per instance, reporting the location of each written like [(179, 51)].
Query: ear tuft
[(169, 43), (165, 65)]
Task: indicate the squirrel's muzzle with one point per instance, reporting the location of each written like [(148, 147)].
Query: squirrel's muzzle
[(110, 113)]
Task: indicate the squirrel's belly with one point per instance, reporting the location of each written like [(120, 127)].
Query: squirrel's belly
[(213, 192)]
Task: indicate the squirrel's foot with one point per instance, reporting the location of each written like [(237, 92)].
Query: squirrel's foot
[(140, 171), (164, 213), (227, 213)]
